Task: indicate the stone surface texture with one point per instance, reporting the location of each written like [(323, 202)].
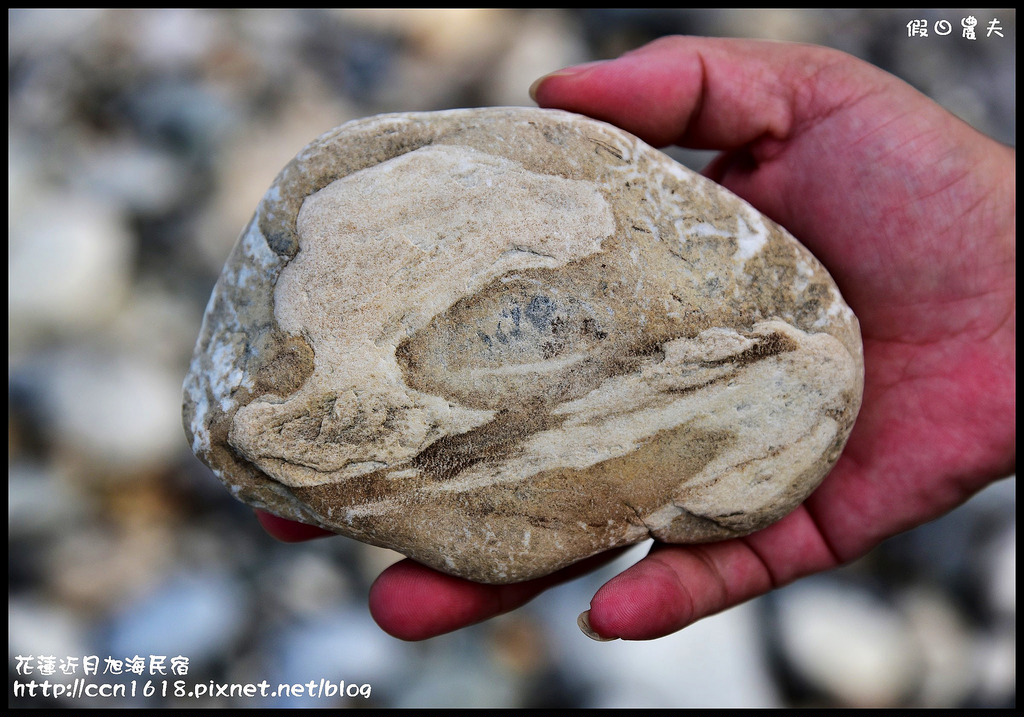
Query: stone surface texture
[(502, 340)]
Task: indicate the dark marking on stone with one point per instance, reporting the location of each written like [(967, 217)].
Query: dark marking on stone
[(283, 243), (449, 456), (764, 347), (284, 363), (516, 314), (607, 147), (539, 311), (590, 326), (681, 390), (698, 528), (771, 345)]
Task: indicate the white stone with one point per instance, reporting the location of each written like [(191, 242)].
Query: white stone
[(502, 340)]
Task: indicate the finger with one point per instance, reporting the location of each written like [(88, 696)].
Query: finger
[(710, 92), (676, 585), (413, 602), (289, 531)]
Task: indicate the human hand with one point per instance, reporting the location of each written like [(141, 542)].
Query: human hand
[(913, 213)]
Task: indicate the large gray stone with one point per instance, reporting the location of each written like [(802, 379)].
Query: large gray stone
[(502, 340)]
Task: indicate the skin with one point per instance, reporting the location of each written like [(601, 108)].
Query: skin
[(913, 213)]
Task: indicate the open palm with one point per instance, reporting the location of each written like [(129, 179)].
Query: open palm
[(913, 213)]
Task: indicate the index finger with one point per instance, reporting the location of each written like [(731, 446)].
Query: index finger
[(709, 93)]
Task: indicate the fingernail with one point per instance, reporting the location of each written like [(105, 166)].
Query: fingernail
[(584, 622), (566, 72)]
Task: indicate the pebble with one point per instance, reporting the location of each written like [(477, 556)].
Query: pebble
[(342, 643), (70, 258), (38, 497), (501, 340), (189, 614), (115, 410), (852, 647)]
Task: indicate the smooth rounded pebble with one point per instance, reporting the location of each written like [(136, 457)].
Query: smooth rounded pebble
[(502, 340)]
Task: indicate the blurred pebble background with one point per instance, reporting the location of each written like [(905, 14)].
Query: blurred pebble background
[(140, 142)]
